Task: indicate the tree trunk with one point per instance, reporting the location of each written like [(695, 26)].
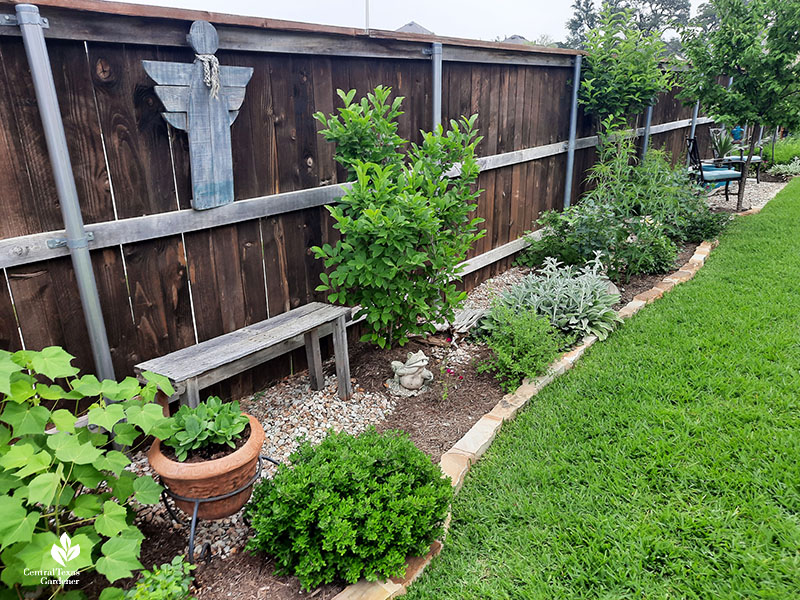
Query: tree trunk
[(745, 171)]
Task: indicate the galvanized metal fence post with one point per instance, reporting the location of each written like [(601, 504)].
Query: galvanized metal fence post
[(31, 24), (573, 127), (648, 121), (693, 128), (436, 65)]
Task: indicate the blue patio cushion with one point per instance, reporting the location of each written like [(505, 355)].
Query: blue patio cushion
[(720, 174)]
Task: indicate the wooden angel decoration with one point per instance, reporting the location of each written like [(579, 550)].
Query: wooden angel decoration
[(203, 99)]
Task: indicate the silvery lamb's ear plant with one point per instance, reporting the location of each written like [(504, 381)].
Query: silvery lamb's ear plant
[(67, 499), (575, 301), (786, 171)]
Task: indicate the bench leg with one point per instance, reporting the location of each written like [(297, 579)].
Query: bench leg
[(191, 396), (314, 358), (342, 359)]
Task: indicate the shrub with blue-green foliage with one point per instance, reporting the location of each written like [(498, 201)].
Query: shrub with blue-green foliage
[(350, 507), (788, 170)]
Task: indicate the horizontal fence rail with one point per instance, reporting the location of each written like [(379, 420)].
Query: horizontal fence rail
[(33, 248)]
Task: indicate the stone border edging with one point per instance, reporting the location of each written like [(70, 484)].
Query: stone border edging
[(456, 462)]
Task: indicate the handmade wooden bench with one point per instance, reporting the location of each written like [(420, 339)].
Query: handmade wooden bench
[(196, 367)]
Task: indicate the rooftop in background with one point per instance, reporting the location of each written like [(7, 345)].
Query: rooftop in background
[(140, 11), (516, 39), (414, 27)]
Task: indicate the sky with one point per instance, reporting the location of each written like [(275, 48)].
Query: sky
[(476, 19)]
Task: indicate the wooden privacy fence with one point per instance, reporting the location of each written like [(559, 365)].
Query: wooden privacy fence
[(169, 276)]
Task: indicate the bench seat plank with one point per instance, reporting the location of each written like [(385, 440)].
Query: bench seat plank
[(212, 354)]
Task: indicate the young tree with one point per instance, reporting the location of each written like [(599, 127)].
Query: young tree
[(757, 44), (622, 73)]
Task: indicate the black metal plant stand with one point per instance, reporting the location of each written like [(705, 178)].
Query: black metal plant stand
[(205, 553)]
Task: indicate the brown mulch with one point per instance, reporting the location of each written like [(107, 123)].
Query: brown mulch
[(246, 576), (766, 177), (438, 418), (642, 283)]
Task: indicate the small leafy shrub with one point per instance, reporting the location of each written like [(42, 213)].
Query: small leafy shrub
[(786, 171), (170, 581), (404, 223), (212, 423), (647, 250), (574, 235), (522, 342), (667, 195), (631, 246), (351, 507), (66, 498), (575, 301)]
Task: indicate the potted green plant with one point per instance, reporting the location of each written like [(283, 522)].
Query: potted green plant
[(721, 144), (212, 450)]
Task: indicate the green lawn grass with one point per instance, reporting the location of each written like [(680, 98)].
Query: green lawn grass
[(666, 464)]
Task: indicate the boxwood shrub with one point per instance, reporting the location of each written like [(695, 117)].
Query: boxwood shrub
[(350, 507)]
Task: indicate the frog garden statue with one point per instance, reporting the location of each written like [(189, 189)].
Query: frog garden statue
[(410, 377)]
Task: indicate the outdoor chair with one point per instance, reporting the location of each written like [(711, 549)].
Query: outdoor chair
[(706, 173)]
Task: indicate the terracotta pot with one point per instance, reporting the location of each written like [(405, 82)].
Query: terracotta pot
[(212, 477)]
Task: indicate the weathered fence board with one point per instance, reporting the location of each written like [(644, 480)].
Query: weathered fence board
[(168, 276)]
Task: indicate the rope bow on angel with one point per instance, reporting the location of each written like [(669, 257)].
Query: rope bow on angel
[(210, 72)]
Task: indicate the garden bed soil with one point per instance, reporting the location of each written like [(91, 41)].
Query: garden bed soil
[(767, 178), (642, 283), (455, 401), (458, 397)]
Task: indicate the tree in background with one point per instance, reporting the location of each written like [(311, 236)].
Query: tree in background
[(757, 44), (658, 15), (584, 19), (622, 73), (647, 15), (706, 18)]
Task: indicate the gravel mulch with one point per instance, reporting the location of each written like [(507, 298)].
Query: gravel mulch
[(481, 296), (756, 195)]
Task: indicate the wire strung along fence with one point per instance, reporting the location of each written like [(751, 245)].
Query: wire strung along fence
[(169, 276)]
